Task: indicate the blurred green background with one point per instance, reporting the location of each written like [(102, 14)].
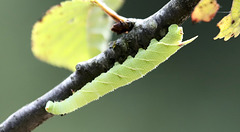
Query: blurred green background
[(196, 90)]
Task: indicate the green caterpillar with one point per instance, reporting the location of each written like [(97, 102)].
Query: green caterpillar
[(119, 75)]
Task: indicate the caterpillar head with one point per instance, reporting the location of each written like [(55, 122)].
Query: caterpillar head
[(49, 106)]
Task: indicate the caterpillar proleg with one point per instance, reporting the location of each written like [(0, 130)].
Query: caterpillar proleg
[(119, 75)]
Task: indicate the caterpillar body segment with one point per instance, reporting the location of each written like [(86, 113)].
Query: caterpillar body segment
[(119, 75)]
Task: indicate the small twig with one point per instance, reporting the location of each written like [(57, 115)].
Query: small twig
[(109, 11), (122, 25)]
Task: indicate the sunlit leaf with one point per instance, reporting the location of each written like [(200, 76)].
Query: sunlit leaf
[(230, 25), (72, 32), (205, 11)]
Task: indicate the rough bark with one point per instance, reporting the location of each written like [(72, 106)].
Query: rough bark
[(32, 115)]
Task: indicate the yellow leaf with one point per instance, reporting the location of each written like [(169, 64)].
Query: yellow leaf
[(72, 32), (230, 25), (205, 11)]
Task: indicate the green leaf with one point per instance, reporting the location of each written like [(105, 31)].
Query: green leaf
[(72, 32)]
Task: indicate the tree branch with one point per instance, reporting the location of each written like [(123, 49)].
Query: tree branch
[(32, 115)]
